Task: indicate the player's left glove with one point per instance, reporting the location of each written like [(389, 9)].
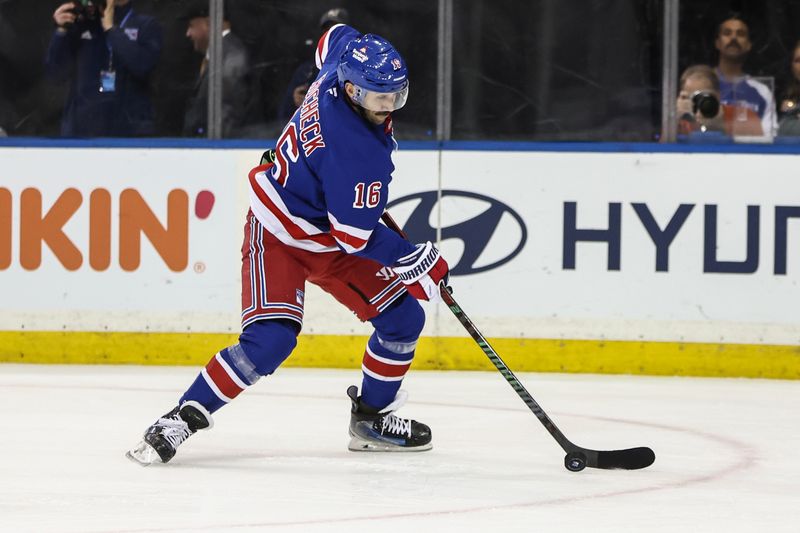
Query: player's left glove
[(421, 272), (268, 157)]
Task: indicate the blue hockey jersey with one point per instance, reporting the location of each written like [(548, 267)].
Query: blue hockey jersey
[(330, 181), (752, 94)]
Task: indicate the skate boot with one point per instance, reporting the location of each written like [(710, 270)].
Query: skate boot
[(382, 431), (161, 440)]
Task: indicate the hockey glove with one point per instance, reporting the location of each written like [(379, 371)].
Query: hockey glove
[(268, 157), (421, 272)]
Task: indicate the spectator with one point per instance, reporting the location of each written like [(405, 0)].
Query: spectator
[(790, 102), (235, 75), (699, 108), (305, 73), (736, 87), (109, 51)]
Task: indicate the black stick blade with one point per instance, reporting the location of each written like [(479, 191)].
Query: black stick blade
[(630, 459)]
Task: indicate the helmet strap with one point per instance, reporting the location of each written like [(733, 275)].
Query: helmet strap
[(352, 103), (358, 108)]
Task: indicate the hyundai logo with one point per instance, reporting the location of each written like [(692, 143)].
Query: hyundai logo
[(477, 233)]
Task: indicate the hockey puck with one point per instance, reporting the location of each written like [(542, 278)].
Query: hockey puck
[(575, 461)]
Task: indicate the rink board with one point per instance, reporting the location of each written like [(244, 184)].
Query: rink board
[(433, 353), (658, 263)]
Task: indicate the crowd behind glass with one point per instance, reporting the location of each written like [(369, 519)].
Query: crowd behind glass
[(538, 70)]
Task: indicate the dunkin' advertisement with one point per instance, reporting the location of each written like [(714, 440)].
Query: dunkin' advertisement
[(626, 246), (127, 240)]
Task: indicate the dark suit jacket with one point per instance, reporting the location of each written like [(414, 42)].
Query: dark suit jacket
[(235, 93)]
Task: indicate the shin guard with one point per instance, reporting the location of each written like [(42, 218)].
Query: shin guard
[(390, 351), (262, 347)]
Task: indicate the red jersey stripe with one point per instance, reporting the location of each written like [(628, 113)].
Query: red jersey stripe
[(320, 47), (222, 380), (346, 238), (293, 229), (385, 369), (389, 296)]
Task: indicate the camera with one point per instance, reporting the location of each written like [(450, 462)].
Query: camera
[(791, 108), (705, 102), (82, 7)]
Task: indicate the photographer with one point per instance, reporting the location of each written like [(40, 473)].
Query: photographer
[(108, 51), (699, 108)]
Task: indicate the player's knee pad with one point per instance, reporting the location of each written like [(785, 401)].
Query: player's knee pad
[(402, 322), (267, 343)]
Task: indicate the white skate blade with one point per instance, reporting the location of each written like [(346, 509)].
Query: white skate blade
[(143, 454), (360, 445)]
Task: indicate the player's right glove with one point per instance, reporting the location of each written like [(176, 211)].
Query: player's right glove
[(421, 272)]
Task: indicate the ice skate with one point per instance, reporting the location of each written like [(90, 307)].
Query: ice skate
[(382, 431), (161, 440)]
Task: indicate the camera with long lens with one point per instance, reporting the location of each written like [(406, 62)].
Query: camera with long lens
[(706, 103)]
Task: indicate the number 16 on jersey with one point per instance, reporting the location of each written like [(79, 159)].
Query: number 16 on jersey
[(367, 195)]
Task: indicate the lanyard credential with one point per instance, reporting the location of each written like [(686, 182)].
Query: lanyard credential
[(108, 45), (108, 78)]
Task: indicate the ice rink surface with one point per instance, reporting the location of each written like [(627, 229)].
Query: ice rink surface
[(276, 460)]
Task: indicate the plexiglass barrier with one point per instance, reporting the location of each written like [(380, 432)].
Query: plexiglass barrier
[(538, 70), (737, 82)]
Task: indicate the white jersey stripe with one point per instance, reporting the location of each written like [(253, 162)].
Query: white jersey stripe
[(321, 53), (290, 307), (268, 316), (262, 275), (252, 267), (359, 233), (388, 302), (213, 386), (383, 293), (267, 185), (386, 360), (351, 233), (372, 374), (228, 370), (350, 238), (274, 226)]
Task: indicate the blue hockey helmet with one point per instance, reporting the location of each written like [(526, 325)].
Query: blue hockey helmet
[(377, 71)]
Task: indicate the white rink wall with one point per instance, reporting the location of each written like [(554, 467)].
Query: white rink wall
[(581, 245)]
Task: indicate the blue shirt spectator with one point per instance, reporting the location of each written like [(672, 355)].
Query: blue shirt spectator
[(737, 88), (108, 53)]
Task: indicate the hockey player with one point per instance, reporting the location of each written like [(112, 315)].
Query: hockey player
[(315, 216)]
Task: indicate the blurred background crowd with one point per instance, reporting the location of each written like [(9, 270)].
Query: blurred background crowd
[(541, 70)]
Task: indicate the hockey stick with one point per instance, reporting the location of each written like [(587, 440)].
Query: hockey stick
[(577, 458)]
